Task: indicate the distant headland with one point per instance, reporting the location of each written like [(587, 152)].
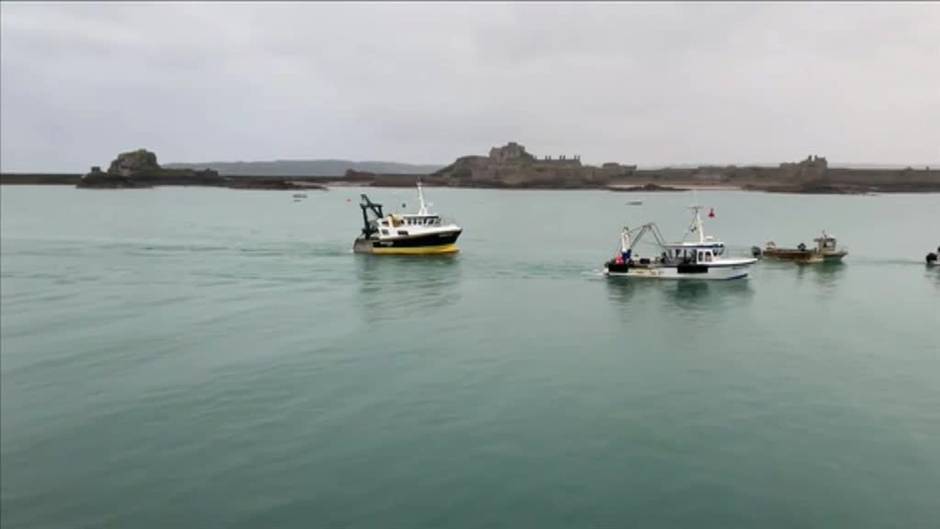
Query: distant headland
[(509, 166), (139, 169)]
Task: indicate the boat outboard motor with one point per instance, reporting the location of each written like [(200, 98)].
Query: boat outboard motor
[(932, 257), (756, 251)]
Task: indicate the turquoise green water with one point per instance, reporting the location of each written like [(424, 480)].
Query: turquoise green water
[(216, 358)]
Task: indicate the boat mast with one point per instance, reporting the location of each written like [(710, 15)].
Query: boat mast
[(697, 224), (423, 208)]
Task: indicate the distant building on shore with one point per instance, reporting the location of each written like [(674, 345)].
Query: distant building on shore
[(512, 152), (812, 168)]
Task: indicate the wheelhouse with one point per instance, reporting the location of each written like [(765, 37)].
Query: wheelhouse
[(420, 220), (396, 221), (825, 243), (694, 253)]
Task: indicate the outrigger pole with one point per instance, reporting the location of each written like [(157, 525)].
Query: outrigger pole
[(630, 238), (376, 209)]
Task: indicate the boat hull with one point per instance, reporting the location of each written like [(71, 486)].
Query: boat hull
[(429, 244), (792, 255), (803, 256), (679, 271), (834, 257)]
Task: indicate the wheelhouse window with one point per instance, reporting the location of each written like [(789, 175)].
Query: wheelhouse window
[(384, 232)]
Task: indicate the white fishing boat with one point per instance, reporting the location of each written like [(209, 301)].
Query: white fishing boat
[(702, 258), (405, 234)]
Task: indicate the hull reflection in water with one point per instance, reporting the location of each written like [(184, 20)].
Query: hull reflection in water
[(397, 287)]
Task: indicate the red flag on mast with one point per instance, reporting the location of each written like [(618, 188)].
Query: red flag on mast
[(711, 213)]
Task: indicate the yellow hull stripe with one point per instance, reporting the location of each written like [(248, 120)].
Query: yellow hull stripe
[(417, 250)]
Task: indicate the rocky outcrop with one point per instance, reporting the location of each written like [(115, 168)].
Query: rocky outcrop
[(137, 169), (130, 163)]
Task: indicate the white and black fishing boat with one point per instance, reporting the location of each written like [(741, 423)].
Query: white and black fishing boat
[(405, 234), (698, 259)]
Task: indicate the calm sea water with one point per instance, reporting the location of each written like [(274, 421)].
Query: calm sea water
[(216, 358)]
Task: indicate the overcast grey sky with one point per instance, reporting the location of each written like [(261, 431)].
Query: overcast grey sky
[(646, 83)]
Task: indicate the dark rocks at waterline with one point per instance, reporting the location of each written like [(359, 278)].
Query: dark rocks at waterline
[(647, 187), (274, 184), (151, 178), (96, 178), (818, 188)]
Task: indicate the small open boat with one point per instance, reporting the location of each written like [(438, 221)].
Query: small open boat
[(826, 251)]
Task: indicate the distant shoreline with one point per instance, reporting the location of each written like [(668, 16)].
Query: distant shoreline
[(637, 185), (509, 166)]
